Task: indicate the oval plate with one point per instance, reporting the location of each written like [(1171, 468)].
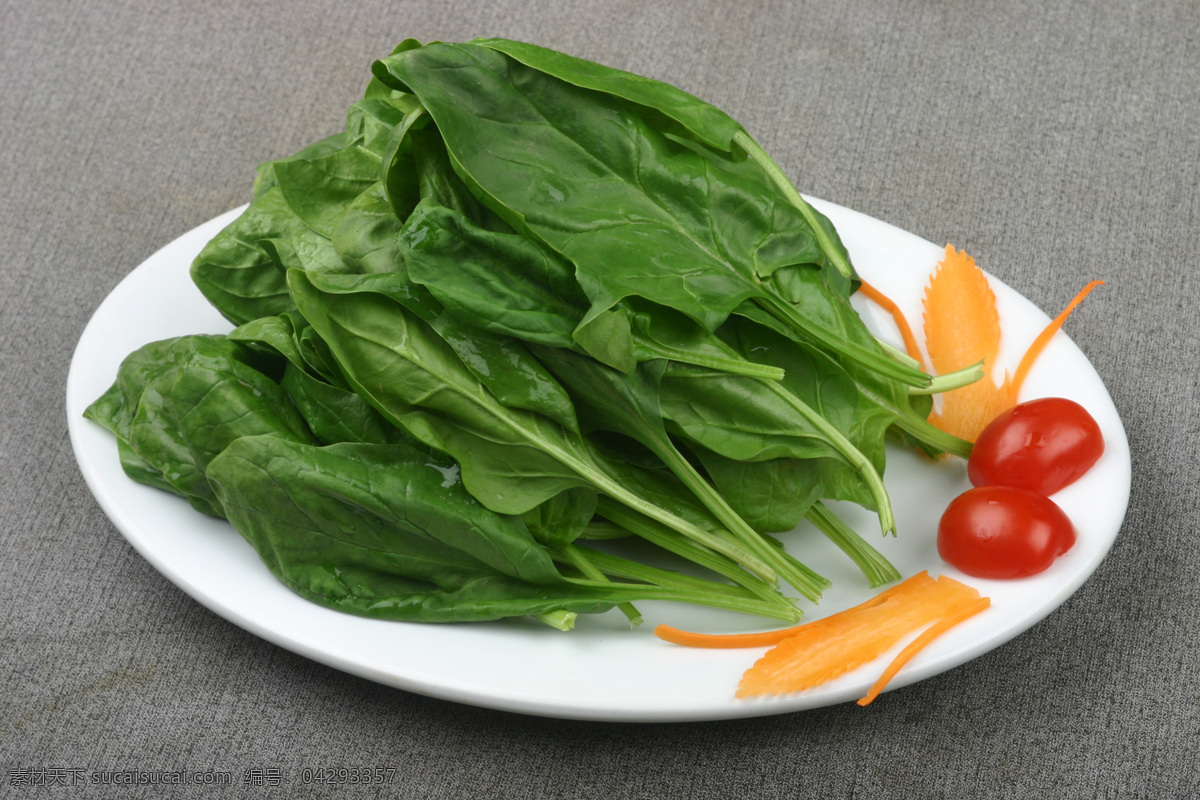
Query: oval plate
[(603, 670)]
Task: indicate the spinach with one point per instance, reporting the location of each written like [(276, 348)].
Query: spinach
[(178, 403), (521, 303), (512, 459), (385, 531), (629, 404), (639, 210), (382, 531), (507, 283)]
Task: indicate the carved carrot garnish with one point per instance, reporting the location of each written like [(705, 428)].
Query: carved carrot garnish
[(962, 328), (809, 655)]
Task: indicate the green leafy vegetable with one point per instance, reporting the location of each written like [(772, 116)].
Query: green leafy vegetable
[(525, 306), (639, 210), (386, 531), (177, 404)]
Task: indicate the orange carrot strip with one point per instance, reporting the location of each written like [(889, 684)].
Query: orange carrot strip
[(887, 304), (920, 643), (724, 641), (767, 638), (853, 637), (1039, 344)]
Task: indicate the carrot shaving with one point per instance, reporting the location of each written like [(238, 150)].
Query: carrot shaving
[(920, 643), (1039, 344), (962, 325), (854, 637), (901, 322), (805, 656)]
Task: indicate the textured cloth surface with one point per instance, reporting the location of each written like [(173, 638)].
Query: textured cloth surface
[(1055, 142)]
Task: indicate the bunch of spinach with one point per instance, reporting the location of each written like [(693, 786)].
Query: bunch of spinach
[(524, 301)]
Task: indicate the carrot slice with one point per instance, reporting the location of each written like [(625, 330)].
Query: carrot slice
[(808, 655), (962, 327), (849, 639), (887, 304)]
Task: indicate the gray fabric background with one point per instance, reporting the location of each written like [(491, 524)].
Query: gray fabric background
[(1055, 142)]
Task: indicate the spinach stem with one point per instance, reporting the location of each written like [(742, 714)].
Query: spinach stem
[(854, 456), (578, 559), (898, 354), (951, 380), (734, 366), (875, 360), (933, 436), (615, 490), (648, 591), (627, 569), (599, 529), (803, 579), (877, 569), (670, 540), (559, 618)]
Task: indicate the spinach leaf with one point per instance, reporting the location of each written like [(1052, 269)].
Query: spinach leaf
[(385, 531), (665, 106), (371, 121), (235, 273), (639, 211), (512, 459), (182, 401), (336, 415), (332, 412), (318, 190), (773, 496), (241, 270), (693, 116), (366, 236), (505, 282), (563, 518), (264, 177), (501, 363), (509, 284)]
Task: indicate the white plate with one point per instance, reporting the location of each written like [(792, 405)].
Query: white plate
[(602, 670)]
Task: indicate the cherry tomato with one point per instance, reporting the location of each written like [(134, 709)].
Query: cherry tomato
[(1003, 532), (1040, 445)]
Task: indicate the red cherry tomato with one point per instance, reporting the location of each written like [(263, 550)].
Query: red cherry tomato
[(1002, 532), (1041, 445)]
